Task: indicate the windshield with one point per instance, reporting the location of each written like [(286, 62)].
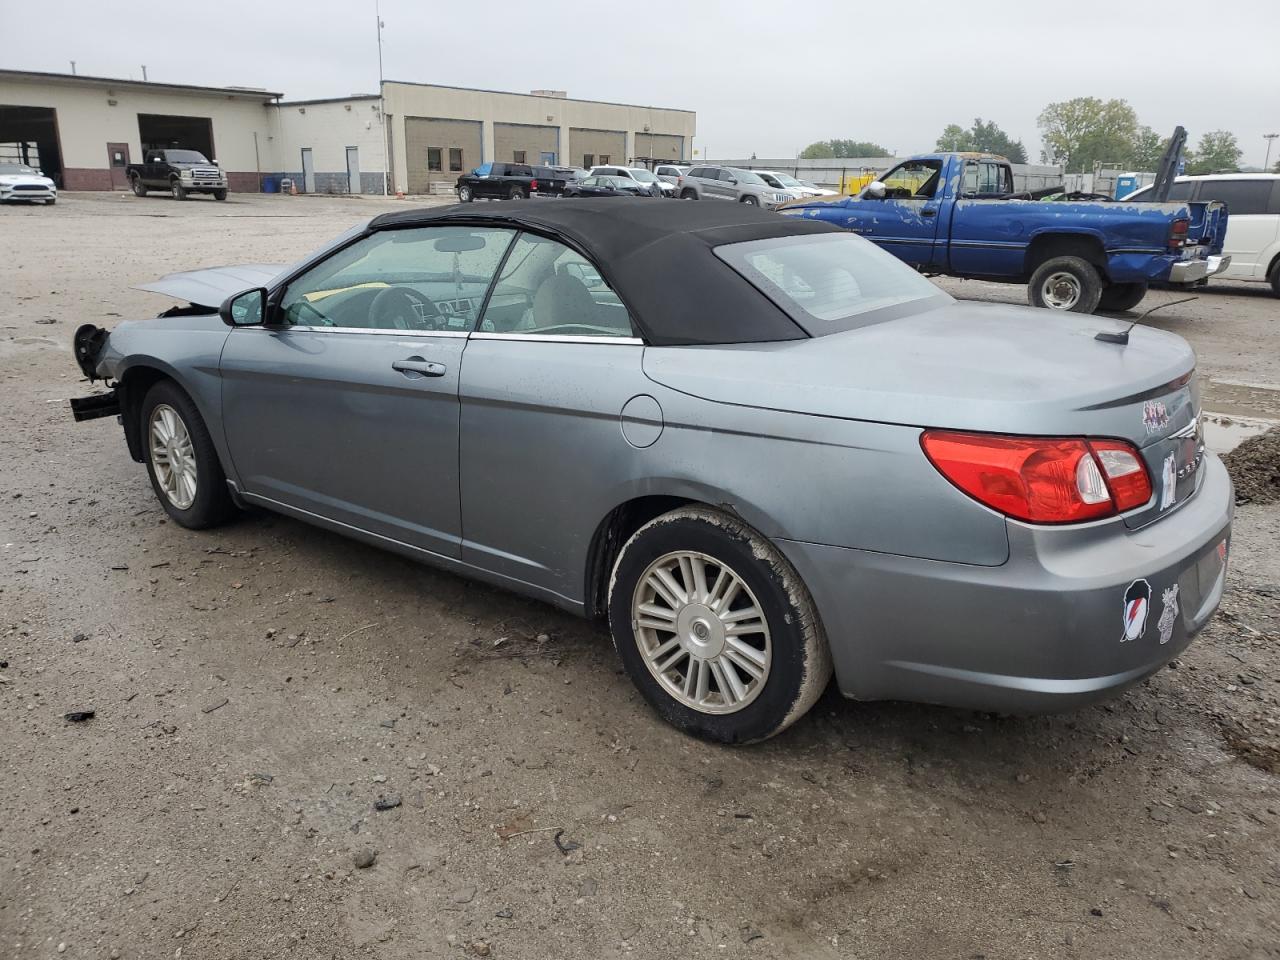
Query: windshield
[(12, 168), (643, 176), (829, 282), (770, 179), (184, 156), (745, 176)]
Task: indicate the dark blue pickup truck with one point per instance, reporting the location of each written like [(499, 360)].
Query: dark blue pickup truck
[(957, 214)]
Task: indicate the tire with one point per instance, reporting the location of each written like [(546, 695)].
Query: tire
[(1071, 284), (210, 504), (688, 195), (219, 194), (794, 661), (518, 193), (1275, 279), (139, 188), (750, 201), (1117, 297), (464, 194), (178, 190)]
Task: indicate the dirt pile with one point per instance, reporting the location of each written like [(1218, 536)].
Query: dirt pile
[(1255, 468)]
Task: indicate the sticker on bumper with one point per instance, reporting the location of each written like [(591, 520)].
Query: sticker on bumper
[(1154, 416), (1169, 613), (1137, 604)]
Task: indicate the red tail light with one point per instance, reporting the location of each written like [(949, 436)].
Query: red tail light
[(533, 184), (1042, 479), (1178, 233)]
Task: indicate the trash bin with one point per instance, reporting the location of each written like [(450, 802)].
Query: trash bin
[(270, 185)]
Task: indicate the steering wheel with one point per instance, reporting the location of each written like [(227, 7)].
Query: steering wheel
[(399, 308)]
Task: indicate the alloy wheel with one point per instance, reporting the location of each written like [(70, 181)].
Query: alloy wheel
[(702, 632), (173, 456)]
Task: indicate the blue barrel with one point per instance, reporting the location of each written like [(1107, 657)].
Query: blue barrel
[(270, 185)]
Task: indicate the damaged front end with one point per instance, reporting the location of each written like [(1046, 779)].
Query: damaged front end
[(87, 345)]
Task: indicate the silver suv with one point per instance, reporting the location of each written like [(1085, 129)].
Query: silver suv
[(730, 183)]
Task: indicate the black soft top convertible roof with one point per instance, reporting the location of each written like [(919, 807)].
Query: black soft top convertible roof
[(657, 255)]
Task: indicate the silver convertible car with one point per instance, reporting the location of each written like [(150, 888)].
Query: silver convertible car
[(760, 447)]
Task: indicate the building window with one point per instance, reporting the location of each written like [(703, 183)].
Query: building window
[(433, 158), (588, 160), (517, 156), (455, 158), (604, 158)]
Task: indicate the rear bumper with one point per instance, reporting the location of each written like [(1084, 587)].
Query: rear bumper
[(1044, 631), (1218, 264), (1188, 271)]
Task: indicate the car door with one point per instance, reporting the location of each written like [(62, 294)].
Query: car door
[(1251, 222), (905, 220), (345, 407), (544, 383)]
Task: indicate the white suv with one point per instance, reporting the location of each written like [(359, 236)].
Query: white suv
[(1253, 220)]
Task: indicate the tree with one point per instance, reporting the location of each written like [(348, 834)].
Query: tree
[(829, 149), (1148, 148), (1081, 132), (1217, 152), (982, 138)]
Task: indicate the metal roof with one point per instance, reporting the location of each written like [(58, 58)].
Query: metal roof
[(78, 79)]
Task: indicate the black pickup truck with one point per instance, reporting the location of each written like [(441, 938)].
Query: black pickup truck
[(179, 172), (511, 181)]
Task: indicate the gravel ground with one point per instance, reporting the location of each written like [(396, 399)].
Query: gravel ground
[(259, 691)]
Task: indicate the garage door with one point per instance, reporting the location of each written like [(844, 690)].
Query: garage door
[(525, 142), (590, 147), (659, 146), (439, 150)]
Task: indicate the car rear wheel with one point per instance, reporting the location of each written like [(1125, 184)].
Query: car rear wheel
[(1275, 279), (464, 194), (139, 188), (518, 193), (688, 195), (1121, 296), (1071, 284), (182, 460), (715, 628), (178, 190)]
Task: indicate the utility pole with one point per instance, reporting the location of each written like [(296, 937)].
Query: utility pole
[(73, 68), (1266, 164), (382, 104), (144, 73)]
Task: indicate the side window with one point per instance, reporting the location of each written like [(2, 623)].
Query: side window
[(433, 158), (426, 278), (985, 179), (549, 289), (915, 179), (1242, 197), (455, 159)]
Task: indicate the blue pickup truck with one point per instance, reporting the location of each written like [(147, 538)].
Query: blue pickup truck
[(957, 214)]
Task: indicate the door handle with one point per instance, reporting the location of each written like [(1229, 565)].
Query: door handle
[(425, 368), (926, 212)]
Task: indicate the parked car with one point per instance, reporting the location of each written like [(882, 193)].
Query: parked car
[(510, 181), (1253, 230), (731, 183), (958, 214), (789, 184), (179, 172), (21, 182), (645, 178), (761, 448), (602, 186), (671, 173)]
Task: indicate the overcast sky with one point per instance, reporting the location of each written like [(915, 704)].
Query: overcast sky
[(764, 77)]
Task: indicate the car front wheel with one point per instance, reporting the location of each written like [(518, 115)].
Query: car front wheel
[(750, 201), (715, 628), (464, 194), (178, 190), (182, 460)]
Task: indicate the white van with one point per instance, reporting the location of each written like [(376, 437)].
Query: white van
[(1253, 220)]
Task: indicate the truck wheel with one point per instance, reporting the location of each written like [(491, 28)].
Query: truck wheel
[(219, 194), (179, 191), (1065, 283), (464, 194), (517, 193), (715, 627), (1117, 297), (139, 188)]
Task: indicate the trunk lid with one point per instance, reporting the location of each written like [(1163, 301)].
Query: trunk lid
[(979, 367)]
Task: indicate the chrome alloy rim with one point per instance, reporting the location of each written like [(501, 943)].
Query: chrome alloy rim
[(173, 456), (701, 632), (1061, 291)]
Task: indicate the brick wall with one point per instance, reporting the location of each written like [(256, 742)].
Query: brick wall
[(82, 178), (243, 182)]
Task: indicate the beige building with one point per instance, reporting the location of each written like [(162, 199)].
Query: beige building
[(84, 131)]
